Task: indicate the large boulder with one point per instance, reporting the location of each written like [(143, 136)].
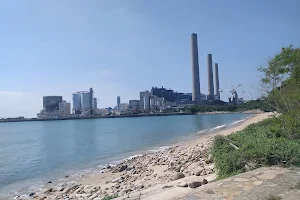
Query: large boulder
[(182, 184), (122, 168), (198, 171), (177, 176), (209, 159), (195, 184)]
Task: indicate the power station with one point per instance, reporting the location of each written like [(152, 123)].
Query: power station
[(196, 97), (212, 78)]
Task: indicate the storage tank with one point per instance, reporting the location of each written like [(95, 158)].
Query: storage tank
[(85, 101), (76, 101)]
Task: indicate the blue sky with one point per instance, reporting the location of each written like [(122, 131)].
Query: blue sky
[(121, 47)]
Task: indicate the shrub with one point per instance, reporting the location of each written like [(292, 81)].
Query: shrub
[(110, 197), (263, 143)]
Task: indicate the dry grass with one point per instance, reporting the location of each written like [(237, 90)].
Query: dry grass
[(274, 197)]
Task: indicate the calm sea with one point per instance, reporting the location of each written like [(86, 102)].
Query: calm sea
[(32, 153)]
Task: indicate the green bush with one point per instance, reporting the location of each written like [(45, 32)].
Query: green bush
[(264, 143), (110, 197)]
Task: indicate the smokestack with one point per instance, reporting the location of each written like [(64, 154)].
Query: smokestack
[(217, 92), (196, 97), (210, 78)]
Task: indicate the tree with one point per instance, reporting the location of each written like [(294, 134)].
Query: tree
[(281, 82)]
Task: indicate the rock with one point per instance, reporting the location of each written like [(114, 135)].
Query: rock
[(129, 168), (49, 191), (93, 196), (139, 186), (177, 176), (87, 187), (122, 168), (117, 180), (167, 186), (61, 189), (73, 188), (49, 182), (209, 191), (42, 198), (198, 171), (209, 159), (31, 194), (195, 184), (203, 173), (204, 181), (67, 176), (182, 184)]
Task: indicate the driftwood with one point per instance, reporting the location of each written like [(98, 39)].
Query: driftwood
[(231, 143)]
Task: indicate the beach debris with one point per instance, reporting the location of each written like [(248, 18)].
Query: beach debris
[(49, 182), (16, 197), (204, 181)]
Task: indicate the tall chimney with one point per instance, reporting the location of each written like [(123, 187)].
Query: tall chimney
[(196, 97), (210, 78), (217, 86)]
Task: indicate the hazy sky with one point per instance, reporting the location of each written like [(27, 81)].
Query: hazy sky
[(122, 47)]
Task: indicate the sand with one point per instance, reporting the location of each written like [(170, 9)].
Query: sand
[(148, 176)]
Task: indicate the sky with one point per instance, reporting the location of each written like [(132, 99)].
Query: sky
[(122, 47)]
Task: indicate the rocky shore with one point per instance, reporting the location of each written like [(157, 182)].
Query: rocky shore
[(137, 174), (186, 165)]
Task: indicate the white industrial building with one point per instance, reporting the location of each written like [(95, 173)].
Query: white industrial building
[(83, 101), (64, 108), (134, 104)]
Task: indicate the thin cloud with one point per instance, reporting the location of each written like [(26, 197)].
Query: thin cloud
[(9, 93)]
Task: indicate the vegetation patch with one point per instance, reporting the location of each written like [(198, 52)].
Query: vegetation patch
[(274, 197), (110, 197), (259, 144)]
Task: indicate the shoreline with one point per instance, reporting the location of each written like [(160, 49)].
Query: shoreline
[(127, 116), (144, 171)]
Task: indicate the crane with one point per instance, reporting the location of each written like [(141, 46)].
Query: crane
[(234, 95)]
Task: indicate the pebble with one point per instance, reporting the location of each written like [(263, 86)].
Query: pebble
[(138, 173)]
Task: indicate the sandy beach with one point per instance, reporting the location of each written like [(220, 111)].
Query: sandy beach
[(181, 166)]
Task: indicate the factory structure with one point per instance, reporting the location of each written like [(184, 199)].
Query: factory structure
[(84, 104), (213, 91), (157, 99)]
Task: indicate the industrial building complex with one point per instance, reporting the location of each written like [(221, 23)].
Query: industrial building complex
[(155, 100)]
